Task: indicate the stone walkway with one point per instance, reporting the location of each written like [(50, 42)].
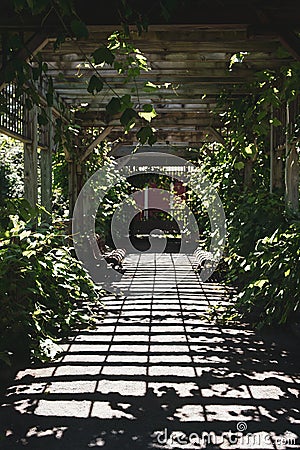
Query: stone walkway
[(157, 374)]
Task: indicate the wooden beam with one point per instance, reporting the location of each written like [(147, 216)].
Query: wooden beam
[(96, 142), (194, 137), (217, 135), (170, 119), (14, 135)]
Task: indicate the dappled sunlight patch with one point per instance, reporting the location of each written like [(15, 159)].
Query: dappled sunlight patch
[(33, 388), (122, 387), (180, 389), (63, 408), (56, 432), (232, 412), (189, 413), (225, 390), (105, 410)]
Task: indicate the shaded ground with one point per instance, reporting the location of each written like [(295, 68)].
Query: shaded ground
[(156, 374)]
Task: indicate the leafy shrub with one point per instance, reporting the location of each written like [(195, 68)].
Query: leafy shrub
[(11, 168), (42, 287), (251, 219), (271, 291), (262, 250)]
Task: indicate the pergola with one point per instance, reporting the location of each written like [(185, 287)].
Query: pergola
[(190, 61)]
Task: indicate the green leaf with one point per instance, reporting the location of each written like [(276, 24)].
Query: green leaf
[(239, 165), (250, 149), (276, 122), (19, 5), (103, 54), (149, 113), (49, 98), (29, 253), (95, 85), (126, 101), (79, 29), (114, 106), (42, 118), (59, 40), (152, 138), (14, 42), (150, 87), (146, 134), (259, 283), (128, 118), (24, 234), (38, 6)]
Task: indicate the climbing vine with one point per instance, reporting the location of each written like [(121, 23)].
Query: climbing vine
[(118, 51), (262, 249)]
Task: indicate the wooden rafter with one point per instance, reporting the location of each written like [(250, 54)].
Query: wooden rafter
[(96, 142), (287, 36), (292, 42), (217, 135), (35, 44), (189, 62)]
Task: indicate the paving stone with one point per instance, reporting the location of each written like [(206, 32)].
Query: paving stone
[(63, 408), (172, 371), (71, 387), (122, 387), (77, 370)]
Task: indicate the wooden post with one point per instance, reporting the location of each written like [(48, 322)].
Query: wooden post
[(291, 169), (30, 162), (80, 177), (72, 175), (292, 179), (271, 151), (278, 169), (46, 170)]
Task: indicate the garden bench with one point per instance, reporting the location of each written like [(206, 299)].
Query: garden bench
[(113, 257), (203, 259)]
